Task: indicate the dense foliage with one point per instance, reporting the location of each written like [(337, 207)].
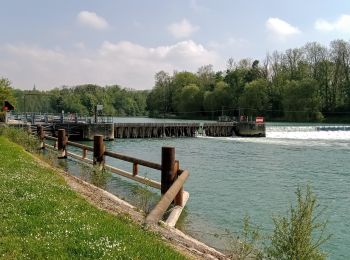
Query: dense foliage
[(301, 84), (82, 100)]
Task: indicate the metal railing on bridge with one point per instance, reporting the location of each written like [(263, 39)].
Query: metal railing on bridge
[(35, 118)]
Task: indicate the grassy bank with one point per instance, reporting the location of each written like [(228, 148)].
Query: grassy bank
[(41, 217)]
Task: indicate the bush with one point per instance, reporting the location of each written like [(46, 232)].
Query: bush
[(21, 137), (245, 246), (299, 235)]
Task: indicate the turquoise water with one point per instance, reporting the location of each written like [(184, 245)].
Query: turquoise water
[(233, 177)]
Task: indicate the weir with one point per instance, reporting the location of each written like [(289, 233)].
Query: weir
[(86, 128)]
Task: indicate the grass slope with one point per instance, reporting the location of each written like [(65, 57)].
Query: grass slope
[(42, 218)]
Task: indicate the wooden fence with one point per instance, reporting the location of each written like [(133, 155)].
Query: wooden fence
[(172, 177)]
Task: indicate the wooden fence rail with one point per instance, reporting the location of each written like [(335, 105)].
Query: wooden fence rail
[(159, 210), (172, 177)]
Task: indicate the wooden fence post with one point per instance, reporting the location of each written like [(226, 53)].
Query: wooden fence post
[(99, 149), (135, 169), (41, 136), (61, 144), (168, 170)]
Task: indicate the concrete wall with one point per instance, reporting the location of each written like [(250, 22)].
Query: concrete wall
[(250, 129), (90, 130)]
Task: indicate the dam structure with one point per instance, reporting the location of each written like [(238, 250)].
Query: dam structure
[(84, 128)]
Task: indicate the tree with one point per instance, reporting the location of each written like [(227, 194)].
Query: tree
[(317, 57), (293, 63), (236, 79), (340, 56), (209, 103), (179, 81), (6, 91), (301, 101), (166, 91), (254, 99), (223, 95), (254, 72), (191, 101), (206, 77)]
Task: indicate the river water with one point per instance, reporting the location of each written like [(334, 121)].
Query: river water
[(234, 177)]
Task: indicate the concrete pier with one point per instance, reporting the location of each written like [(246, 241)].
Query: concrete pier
[(251, 129)]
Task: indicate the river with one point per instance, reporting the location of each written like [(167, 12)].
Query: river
[(234, 177)]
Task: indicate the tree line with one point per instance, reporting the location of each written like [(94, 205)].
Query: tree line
[(300, 84), (82, 100)]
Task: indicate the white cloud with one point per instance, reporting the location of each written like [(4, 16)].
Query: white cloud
[(92, 20), (280, 28), (323, 25), (341, 24), (35, 53), (125, 63), (182, 29)]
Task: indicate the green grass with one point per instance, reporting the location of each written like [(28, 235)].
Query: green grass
[(41, 217)]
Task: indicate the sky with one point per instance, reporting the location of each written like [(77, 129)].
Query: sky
[(65, 43)]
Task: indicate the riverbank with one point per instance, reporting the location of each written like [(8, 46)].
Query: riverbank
[(42, 217), (52, 225)]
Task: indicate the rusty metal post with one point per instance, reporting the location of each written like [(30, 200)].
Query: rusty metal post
[(99, 149), (61, 144), (179, 197), (41, 136), (168, 170)]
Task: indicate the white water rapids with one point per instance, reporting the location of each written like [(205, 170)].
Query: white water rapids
[(309, 132)]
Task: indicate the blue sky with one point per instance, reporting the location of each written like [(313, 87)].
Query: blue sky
[(55, 43)]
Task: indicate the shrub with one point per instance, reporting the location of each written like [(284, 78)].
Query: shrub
[(245, 246), (300, 234), (297, 236), (21, 137)]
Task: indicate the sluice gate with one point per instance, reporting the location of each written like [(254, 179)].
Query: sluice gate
[(155, 130)]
